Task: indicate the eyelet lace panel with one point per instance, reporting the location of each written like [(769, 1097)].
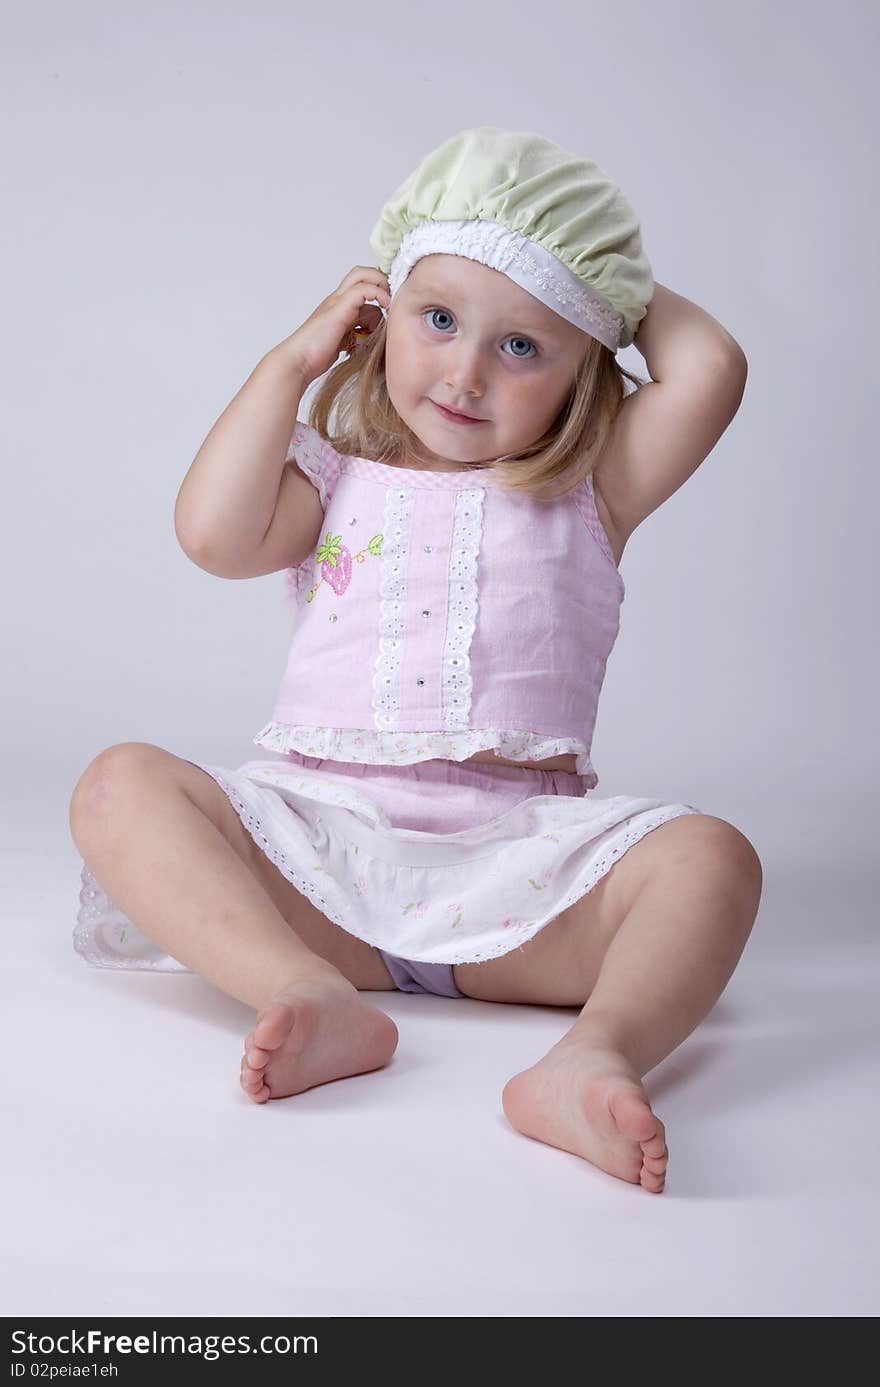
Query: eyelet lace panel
[(461, 620), (365, 744), (392, 595)]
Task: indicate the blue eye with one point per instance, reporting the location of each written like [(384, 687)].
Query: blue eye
[(440, 310), (525, 340), (527, 343)]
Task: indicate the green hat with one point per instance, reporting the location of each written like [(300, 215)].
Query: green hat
[(554, 223)]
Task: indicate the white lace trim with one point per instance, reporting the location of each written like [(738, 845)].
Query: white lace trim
[(365, 744), (392, 595), (537, 270), (648, 820), (461, 619), (98, 914)]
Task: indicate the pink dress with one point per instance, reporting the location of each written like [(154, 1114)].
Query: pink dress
[(439, 616)]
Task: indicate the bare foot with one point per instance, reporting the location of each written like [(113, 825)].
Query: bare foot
[(589, 1100), (313, 1031)]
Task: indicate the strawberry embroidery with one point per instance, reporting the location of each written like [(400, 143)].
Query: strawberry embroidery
[(336, 559)]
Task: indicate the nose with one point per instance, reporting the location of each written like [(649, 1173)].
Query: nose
[(464, 373)]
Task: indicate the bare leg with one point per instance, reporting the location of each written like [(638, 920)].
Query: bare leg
[(667, 965), (170, 869)]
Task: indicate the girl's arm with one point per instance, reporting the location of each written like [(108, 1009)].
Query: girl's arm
[(665, 429), (227, 501), (677, 335)]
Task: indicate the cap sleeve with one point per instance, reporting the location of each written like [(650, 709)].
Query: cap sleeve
[(314, 456)]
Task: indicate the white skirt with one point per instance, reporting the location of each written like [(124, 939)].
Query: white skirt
[(441, 862)]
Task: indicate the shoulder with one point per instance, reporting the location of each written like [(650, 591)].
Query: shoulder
[(315, 458)]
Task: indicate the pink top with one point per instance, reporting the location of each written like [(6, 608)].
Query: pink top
[(441, 615)]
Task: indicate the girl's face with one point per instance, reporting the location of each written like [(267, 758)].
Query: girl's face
[(463, 335)]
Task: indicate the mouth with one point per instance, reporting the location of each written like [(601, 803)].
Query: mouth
[(455, 417)]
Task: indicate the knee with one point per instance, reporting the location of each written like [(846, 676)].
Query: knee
[(721, 846), (108, 778)]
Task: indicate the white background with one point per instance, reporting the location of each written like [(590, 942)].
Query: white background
[(183, 185)]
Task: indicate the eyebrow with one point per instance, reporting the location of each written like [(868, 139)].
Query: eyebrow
[(436, 291)]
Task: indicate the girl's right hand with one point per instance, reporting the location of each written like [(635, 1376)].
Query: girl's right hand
[(328, 331)]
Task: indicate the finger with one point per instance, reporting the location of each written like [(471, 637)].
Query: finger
[(371, 272), (381, 293), (370, 298), (364, 296), (368, 273)]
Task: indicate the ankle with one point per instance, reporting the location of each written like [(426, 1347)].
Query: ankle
[(311, 972), (598, 1031)]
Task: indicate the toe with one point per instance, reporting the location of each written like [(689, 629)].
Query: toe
[(251, 1078), (273, 1026), (632, 1113), (656, 1145)]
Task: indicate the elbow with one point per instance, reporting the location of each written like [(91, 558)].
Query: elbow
[(739, 369), (195, 551), (730, 369), (186, 543), (734, 358), (186, 536), (205, 560), (742, 364)]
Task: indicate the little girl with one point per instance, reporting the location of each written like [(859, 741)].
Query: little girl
[(451, 544)]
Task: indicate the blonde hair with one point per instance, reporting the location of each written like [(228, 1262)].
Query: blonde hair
[(366, 424)]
